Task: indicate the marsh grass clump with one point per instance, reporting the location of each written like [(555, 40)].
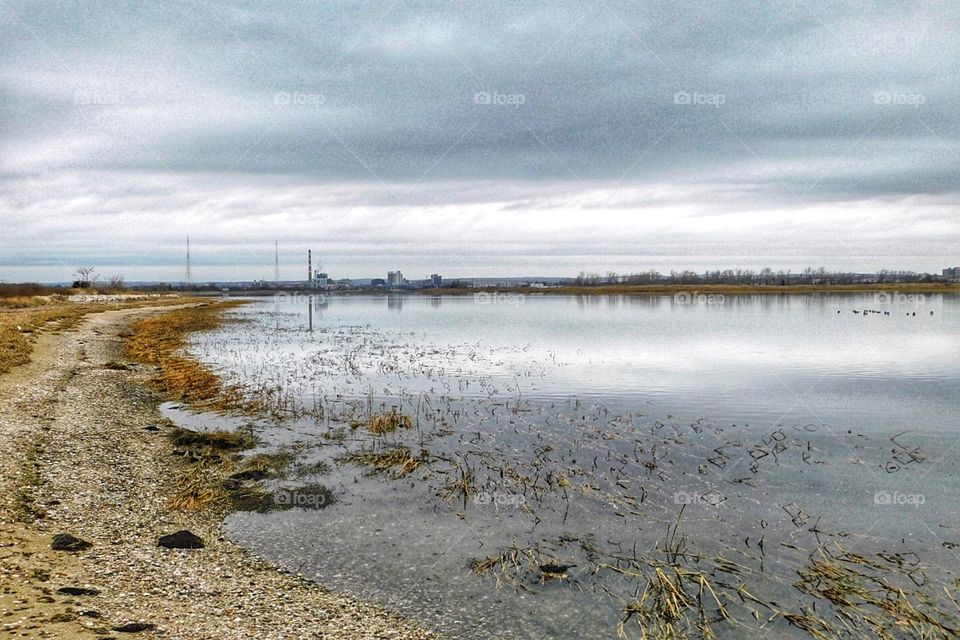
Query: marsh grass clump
[(384, 422), (461, 487), (203, 482), (159, 340), (318, 468), (219, 440), (199, 486), (265, 465), (398, 459)]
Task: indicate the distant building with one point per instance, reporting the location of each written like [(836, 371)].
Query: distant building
[(394, 278), (953, 273), (378, 282), (435, 279)]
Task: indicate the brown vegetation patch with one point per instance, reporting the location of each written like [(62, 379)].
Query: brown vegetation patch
[(399, 459), (159, 341), (385, 422)]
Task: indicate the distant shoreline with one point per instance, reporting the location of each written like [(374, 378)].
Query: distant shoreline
[(615, 290)]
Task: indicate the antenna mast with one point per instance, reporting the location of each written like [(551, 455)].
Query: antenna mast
[(188, 260)]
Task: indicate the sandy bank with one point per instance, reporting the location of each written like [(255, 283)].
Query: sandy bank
[(78, 457)]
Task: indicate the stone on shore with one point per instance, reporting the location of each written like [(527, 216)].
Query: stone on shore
[(67, 542), (181, 540)]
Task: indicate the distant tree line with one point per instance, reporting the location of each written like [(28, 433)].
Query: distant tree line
[(750, 277)]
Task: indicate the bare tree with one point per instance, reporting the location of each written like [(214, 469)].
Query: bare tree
[(116, 281), (86, 276)]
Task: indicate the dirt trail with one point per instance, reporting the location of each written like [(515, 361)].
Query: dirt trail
[(78, 458)]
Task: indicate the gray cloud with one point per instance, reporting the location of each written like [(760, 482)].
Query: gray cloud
[(229, 119)]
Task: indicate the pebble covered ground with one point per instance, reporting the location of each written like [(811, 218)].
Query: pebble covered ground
[(80, 458)]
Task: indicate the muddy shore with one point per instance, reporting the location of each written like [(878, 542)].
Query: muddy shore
[(81, 456)]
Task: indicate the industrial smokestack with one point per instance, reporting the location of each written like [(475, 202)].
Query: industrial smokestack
[(309, 267)]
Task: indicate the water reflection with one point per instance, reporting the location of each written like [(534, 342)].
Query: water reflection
[(770, 418)]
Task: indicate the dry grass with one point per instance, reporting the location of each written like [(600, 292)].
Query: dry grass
[(202, 482), (881, 595), (22, 318), (19, 325), (202, 441), (27, 290), (385, 422), (400, 460), (159, 341)]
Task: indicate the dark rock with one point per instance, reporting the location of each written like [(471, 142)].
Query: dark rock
[(152, 427), (250, 474), (90, 613), (67, 542), (555, 568), (134, 627), (77, 591), (181, 540)]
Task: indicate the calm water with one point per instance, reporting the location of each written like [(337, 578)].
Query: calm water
[(585, 429)]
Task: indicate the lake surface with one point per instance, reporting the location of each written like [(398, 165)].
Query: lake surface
[(679, 463)]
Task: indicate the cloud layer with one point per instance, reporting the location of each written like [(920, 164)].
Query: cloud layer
[(478, 138)]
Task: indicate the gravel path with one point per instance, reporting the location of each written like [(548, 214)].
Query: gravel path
[(77, 459)]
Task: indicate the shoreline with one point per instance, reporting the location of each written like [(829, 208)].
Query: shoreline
[(84, 457), (608, 290)]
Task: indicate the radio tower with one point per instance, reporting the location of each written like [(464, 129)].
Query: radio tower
[(188, 260), (276, 262)]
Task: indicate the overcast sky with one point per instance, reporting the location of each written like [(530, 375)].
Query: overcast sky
[(477, 138)]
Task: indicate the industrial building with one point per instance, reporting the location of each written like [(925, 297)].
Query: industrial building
[(394, 278)]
